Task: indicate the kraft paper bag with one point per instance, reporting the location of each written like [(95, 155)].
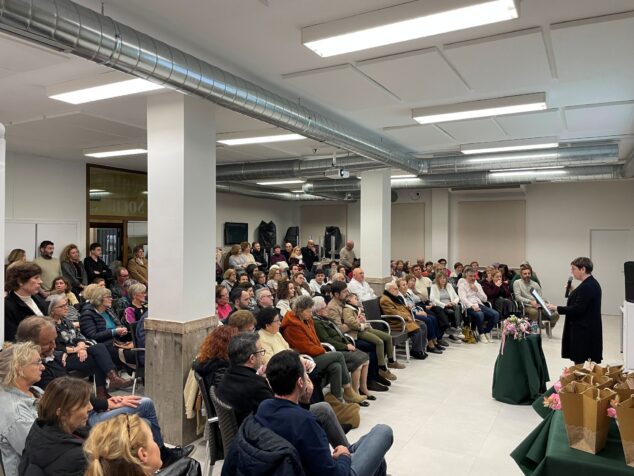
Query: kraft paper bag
[(624, 390), (599, 381), (585, 415), (625, 420)]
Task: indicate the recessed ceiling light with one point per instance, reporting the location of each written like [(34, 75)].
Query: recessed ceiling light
[(262, 139), (103, 86), (523, 169), (504, 158), (484, 108), (114, 151), (408, 21), (527, 173), (510, 146), (406, 176), (281, 182)]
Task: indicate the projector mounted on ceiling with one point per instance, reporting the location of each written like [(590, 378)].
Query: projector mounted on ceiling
[(336, 173)]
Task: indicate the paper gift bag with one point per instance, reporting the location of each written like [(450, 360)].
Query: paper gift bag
[(625, 389), (599, 381), (585, 414), (625, 419)]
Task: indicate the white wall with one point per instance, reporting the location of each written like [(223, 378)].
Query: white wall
[(40, 189), (238, 208)]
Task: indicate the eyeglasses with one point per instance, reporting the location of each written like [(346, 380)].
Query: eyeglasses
[(61, 305), (275, 321), (38, 362), (261, 351)]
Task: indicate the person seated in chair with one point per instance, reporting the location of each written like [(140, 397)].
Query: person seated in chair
[(284, 417), (359, 286), (309, 255), (472, 298), (264, 298), (318, 281), (435, 329), (522, 291), (498, 292)]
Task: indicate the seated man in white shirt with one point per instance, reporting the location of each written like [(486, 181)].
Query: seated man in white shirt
[(522, 292), (472, 298), (359, 286), (318, 281), (423, 283)]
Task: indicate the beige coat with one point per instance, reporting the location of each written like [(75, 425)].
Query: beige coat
[(138, 271)]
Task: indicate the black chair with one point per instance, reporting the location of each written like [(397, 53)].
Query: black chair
[(214, 449), (139, 371), (382, 322), (226, 419)]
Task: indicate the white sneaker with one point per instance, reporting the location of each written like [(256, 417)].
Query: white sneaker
[(489, 337), (460, 335), (483, 339)]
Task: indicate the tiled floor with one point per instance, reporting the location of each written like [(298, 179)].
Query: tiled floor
[(443, 416)]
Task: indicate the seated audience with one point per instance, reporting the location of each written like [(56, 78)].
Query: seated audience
[(498, 292), (50, 266), (73, 269), (259, 255), (242, 320), (243, 278), (249, 270), (522, 291), (121, 275), (62, 286), (472, 298), (422, 284), (118, 306), (223, 308), (338, 277), (244, 387), (16, 256), (247, 257), (212, 360), (122, 446), (298, 329), (445, 301), (137, 294), (95, 265), (97, 322), (287, 252), (83, 356), (519, 276), (269, 323), (285, 296), (23, 282), (347, 257), (317, 282), (240, 299), (230, 279), (435, 329), (356, 360), (392, 303), (54, 444), (101, 282), (259, 280), (274, 277), (41, 331), (359, 286), (20, 369), (399, 269), (138, 265), (283, 417), (301, 287), (508, 275), (326, 292), (428, 270), (264, 298), (343, 272), (309, 255), (277, 256), (458, 267)]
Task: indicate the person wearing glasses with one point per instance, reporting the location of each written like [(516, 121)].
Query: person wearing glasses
[(275, 276), (269, 323), (97, 322), (20, 369), (87, 357), (264, 298)]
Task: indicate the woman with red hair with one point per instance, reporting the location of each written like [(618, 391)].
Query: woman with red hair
[(212, 360)]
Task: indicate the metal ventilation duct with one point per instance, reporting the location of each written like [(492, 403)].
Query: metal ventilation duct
[(252, 191), (103, 40), (566, 156), (476, 179)]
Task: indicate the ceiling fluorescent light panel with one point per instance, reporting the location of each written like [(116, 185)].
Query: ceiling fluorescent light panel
[(114, 151), (281, 182), (408, 21), (483, 108), (261, 139), (527, 173), (510, 146)]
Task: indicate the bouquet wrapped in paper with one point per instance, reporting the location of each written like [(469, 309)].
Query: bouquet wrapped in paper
[(585, 415)]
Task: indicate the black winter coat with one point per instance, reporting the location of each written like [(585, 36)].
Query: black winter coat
[(243, 389), (50, 451), (211, 370), (15, 311), (583, 333), (256, 450)]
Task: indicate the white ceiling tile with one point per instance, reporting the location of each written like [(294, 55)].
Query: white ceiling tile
[(511, 62), (422, 76), (421, 138), (536, 124), (342, 87), (613, 119), (231, 121), (19, 56), (594, 48), (474, 130)]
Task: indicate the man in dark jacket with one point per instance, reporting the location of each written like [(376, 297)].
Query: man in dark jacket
[(243, 389), (41, 331), (309, 255), (96, 267), (583, 331)]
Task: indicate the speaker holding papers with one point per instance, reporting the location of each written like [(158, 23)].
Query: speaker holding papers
[(541, 302)]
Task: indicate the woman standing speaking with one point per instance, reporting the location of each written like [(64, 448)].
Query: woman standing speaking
[(583, 335)]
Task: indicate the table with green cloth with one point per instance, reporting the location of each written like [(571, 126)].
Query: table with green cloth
[(520, 373), (545, 452)]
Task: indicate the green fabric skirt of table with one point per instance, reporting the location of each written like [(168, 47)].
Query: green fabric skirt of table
[(538, 404), (545, 452), (521, 373)]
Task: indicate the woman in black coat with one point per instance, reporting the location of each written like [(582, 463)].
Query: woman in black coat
[(583, 333), (23, 282)]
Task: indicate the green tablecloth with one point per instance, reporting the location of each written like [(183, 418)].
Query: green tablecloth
[(538, 404), (545, 452), (521, 373)]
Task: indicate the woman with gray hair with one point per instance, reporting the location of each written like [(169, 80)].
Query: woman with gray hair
[(136, 293), (82, 355), (20, 368), (298, 329), (98, 323)]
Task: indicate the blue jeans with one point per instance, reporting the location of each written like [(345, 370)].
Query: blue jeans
[(368, 454), (433, 332), (145, 410), (485, 312)]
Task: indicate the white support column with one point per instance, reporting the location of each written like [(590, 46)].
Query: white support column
[(3, 148), (181, 231), (439, 224), (376, 216)]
